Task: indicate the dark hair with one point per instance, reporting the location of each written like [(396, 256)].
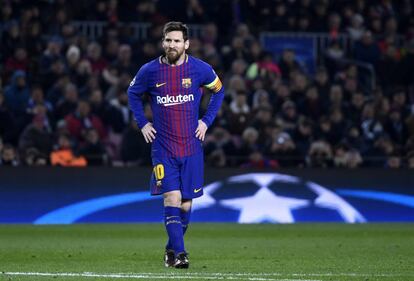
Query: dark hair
[(176, 26)]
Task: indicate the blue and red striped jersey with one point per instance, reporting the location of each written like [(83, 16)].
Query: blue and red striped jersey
[(175, 93)]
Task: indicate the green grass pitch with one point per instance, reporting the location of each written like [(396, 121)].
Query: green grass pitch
[(217, 252)]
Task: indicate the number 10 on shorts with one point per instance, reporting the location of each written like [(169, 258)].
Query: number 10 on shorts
[(159, 171)]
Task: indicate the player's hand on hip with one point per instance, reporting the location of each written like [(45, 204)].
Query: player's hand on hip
[(149, 132), (201, 130)]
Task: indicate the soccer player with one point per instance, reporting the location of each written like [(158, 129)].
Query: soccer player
[(174, 84)]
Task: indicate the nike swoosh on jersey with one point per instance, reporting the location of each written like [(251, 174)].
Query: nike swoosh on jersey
[(197, 190), (160, 84)]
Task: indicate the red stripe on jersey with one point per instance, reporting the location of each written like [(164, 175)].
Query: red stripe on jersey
[(164, 114)]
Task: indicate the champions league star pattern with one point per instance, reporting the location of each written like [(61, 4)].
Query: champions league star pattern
[(245, 198), (118, 195), (266, 205)]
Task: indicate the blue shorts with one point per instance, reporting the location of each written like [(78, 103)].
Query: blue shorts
[(178, 173)]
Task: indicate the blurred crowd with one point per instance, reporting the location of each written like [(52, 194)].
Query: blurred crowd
[(63, 96)]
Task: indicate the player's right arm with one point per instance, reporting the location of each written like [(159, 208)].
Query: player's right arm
[(136, 90)]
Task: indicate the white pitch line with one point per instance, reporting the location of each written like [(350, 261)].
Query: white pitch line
[(211, 276), (327, 274), (151, 275)]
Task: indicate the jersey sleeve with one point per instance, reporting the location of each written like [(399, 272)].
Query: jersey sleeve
[(137, 88), (212, 82)]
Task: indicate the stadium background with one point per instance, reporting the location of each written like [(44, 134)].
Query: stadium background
[(309, 84), (317, 126)]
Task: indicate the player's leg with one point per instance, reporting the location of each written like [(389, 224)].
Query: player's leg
[(172, 219), (185, 217), (185, 213), (172, 206), (191, 182), (166, 180)]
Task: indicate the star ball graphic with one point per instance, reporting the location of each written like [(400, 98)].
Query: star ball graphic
[(244, 198), (276, 198)]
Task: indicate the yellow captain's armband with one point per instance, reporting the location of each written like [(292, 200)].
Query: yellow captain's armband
[(214, 86)]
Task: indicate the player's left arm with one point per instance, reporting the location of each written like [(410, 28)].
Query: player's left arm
[(214, 84)]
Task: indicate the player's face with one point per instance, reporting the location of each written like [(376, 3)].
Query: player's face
[(174, 46)]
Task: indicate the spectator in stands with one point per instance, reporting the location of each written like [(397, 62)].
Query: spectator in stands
[(220, 148), (399, 102), (355, 108), (51, 53), (9, 156), (356, 28), (36, 135), (283, 150), (19, 61), (263, 119), (367, 49), (322, 82), (33, 157), (264, 68), (395, 127), (124, 62), (248, 142), (311, 105), (338, 123), (319, 155), (376, 156), (73, 55), (68, 103), (37, 98), (288, 117), (94, 56), (336, 98), (93, 150), (239, 116), (17, 93), (288, 63), (51, 75), (345, 157), (303, 135), (237, 51), (81, 120), (11, 38), (64, 154), (394, 161)]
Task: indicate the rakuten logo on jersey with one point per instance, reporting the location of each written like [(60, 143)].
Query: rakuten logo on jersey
[(174, 100)]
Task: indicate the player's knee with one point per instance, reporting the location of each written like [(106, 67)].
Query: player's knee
[(186, 205), (172, 199)]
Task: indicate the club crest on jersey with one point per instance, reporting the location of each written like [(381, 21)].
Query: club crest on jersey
[(186, 82)]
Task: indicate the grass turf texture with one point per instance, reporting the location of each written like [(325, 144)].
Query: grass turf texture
[(217, 252)]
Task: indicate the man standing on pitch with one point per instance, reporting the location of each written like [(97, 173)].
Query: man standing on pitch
[(173, 82)]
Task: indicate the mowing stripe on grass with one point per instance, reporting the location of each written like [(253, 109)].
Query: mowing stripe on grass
[(213, 276)]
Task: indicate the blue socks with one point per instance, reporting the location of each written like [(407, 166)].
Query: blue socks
[(185, 219), (172, 220)]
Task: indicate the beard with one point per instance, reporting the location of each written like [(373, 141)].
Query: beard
[(173, 55)]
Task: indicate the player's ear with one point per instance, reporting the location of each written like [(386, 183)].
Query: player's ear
[(187, 44)]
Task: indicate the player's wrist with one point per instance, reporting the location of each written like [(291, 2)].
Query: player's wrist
[(205, 122)]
